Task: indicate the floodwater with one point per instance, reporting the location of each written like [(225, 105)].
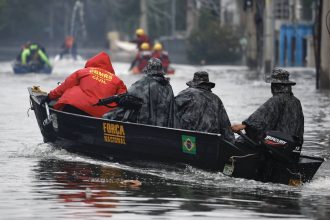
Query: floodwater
[(38, 181)]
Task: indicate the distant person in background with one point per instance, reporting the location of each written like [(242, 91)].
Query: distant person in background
[(161, 54), (141, 59), (83, 88), (198, 109), (69, 46), (19, 56), (34, 54), (141, 37), (157, 98)]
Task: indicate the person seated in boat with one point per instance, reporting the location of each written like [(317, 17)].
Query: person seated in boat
[(282, 112), (69, 46), (141, 37), (157, 98), (34, 54), (161, 54), (198, 109), (83, 88), (141, 59)]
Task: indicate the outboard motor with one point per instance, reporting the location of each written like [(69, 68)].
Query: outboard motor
[(284, 144)]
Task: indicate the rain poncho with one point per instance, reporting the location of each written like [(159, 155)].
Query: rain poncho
[(198, 109), (282, 112), (158, 102)]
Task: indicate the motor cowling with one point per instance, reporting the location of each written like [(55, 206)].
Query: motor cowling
[(283, 143)]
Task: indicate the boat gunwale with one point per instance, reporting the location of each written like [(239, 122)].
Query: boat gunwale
[(124, 122)]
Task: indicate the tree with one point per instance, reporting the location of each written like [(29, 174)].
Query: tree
[(211, 43)]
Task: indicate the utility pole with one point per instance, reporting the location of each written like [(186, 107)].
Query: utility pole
[(221, 19), (51, 22), (268, 46), (191, 18), (324, 53), (173, 17), (66, 13), (250, 32), (144, 15)]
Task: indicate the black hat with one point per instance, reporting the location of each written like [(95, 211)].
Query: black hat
[(280, 76), (154, 66), (201, 77)]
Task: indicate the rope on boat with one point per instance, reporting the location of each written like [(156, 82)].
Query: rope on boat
[(239, 157), (232, 158), (27, 112), (31, 108), (298, 174)]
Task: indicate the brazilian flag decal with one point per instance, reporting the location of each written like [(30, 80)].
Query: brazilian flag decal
[(188, 144)]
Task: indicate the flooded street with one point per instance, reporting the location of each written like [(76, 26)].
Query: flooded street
[(38, 181)]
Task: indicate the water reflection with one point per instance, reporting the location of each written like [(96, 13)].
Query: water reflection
[(93, 190), (84, 185)]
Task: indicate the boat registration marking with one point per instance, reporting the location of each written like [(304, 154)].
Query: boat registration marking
[(114, 133)]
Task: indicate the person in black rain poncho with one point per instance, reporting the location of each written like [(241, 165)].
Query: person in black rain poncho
[(198, 109), (282, 112), (157, 98)]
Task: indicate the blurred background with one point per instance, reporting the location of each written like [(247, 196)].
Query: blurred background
[(258, 33)]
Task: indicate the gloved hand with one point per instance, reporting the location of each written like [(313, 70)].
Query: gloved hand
[(44, 99)]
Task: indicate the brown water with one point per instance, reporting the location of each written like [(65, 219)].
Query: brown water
[(38, 181)]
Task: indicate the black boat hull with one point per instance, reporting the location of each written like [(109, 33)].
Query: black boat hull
[(204, 150), (23, 69)]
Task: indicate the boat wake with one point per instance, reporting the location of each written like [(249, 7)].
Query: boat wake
[(174, 174), (321, 182), (319, 186)]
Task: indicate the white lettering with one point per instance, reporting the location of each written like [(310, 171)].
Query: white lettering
[(275, 140)]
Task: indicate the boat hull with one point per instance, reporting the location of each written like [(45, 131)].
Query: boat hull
[(23, 69), (107, 138)]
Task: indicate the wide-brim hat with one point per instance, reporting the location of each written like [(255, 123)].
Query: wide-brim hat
[(154, 67), (280, 76), (201, 78), (153, 72)]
